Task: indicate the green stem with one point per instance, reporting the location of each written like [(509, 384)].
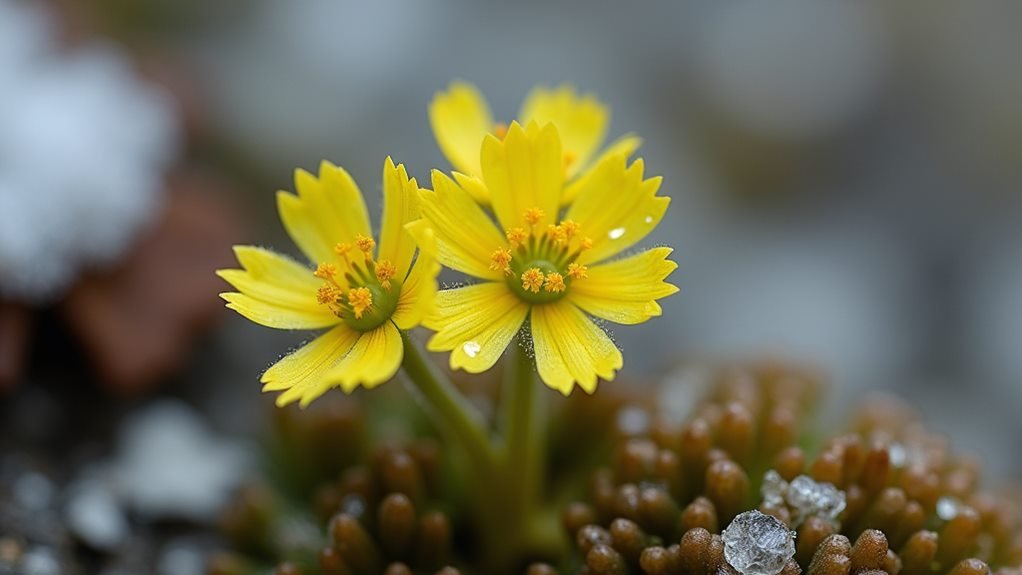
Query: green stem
[(455, 413), (524, 427)]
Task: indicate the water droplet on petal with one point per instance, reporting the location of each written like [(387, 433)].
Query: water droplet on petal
[(649, 219), (616, 233), (471, 348)]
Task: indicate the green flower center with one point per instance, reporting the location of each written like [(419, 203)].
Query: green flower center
[(369, 294), (540, 265)]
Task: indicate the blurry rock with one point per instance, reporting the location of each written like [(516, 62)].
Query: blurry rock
[(41, 561), (170, 466), (94, 516), (138, 321), (33, 491), (15, 332), (181, 557)]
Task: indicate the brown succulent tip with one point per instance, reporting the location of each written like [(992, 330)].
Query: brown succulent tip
[(869, 552), (397, 569), (396, 523), (355, 544), (970, 567), (577, 515), (287, 568), (540, 569), (604, 560), (699, 513)]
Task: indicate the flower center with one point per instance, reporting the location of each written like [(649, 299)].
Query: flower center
[(361, 291), (540, 264)]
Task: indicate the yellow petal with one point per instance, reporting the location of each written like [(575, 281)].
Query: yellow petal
[(418, 292), (303, 373), (475, 324), (617, 207), (460, 119), (624, 146), (465, 235), (474, 186), (581, 120), (571, 349), (524, 171), (374, 359), (625, 291), (400, 206), (276, 291), (327, 210)]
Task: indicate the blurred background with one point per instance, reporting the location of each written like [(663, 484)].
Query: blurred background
[(846, 181)]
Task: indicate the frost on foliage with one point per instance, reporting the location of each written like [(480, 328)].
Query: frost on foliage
[(83, 151)]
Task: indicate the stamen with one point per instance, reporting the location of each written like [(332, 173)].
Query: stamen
[(532, 280), (587, 243), (325, 271), (360, 300), (570, 227), (342, 250), (366, 244), (500, 260), (556, 233), (385, 271), (533, 216), (500, 130), (327, 294), (516, 236), (577, 272), (554, 283)]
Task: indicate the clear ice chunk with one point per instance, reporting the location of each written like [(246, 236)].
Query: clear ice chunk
[(804, 496), (758, 544)]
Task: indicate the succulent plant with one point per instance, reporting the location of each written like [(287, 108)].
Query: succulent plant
[(890, 495)]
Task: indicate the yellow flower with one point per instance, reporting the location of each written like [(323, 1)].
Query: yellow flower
[(461, 119), (364, 298), (547, 267)]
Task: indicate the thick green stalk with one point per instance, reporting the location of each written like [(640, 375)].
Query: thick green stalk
[(455, 413), (524, 425)]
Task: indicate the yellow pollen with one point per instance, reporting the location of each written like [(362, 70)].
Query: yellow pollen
[(500, 130), (500, 260), (570, 227), (556, 233), (360, 299), (342, 249), (385, 271), (364, 243), (587, 243), (554, 283), (533, 216), (327, 294), (532, 280), (515, 236), (325, 271), (577, 272)]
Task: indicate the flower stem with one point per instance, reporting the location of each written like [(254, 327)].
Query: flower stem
[(523, 427), (454, 412)]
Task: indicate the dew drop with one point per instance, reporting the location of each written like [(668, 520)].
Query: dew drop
[(948, 508), (471, 348), (616, 233), (649, 219)]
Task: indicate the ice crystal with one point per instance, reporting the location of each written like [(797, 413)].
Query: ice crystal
[(805, 496), (758, 544)]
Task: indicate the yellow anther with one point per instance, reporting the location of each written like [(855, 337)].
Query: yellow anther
[(570, 227), (500, 130), (532, 280), (516, 236), (342, 250), (587, 243), (533, 216), (554, 282), (500, 260), (577, 272), (327, 294), (556, 233), (325, 271), (366, 244), (360, 299), (385, 271)]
